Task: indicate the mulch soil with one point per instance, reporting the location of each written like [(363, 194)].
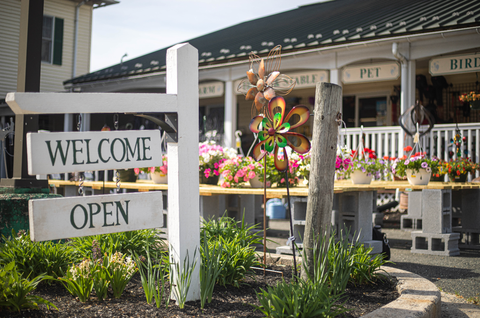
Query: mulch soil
[(226, 301)]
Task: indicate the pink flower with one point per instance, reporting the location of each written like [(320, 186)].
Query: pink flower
[(251, 174), (269, 183), (283, 180), (224, 184), (230, 178), (136, 170), (245, 178), (236, 179), (215, 172), (251, 166), (240, 173)]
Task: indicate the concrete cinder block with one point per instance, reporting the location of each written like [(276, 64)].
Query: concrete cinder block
[(415, 204), (470, 208), (376, 245), (435, 243), (437, 211), (365, 208), (469, 238), (298, 207), (408, 223)]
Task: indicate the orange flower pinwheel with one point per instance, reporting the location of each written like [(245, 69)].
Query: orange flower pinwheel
[(274, 131), (264, 80)]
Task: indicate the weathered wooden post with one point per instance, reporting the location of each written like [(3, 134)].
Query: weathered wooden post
[(328, 101)]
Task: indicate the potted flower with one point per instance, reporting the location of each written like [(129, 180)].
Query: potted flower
[(458, 169), (157, 174), (418, 168), (279, 177), (472, 98), (303, 170), (234, 172), (364, 167), (342, 162), (254, 170), (211, 156), (439, 175)]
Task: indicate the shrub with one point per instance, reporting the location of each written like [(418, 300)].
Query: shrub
[(237, 242), (299, 299), (127, 243), (35, 258), (15, 290)]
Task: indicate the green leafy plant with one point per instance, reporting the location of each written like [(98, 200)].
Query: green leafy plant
[(238, 247), (366, 267), (100, 279), (230, 230), (180, 283), (120, 270), (210, 269), (127, 243), (35, 258), (153, 274), (15, 290), (299, 299), (78, 280)]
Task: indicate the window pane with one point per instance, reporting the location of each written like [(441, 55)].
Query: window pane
[(47, 39), (47, 51), (47, 30)]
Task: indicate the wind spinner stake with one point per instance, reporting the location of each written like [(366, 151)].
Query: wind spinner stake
[(272, 126)]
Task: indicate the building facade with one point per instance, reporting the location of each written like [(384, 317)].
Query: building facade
[(384, 55), (66, 43)]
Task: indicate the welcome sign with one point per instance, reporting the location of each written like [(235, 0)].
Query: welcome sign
[(88, 151), (54, 219)]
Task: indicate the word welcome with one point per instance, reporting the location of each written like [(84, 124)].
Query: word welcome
[(92, 215), (82, 151)]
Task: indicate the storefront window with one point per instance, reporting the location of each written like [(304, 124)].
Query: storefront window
[(372, 111)]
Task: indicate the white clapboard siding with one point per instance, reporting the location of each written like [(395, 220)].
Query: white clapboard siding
[(53, 76), (60, 218), (9, 35), (77, 151)]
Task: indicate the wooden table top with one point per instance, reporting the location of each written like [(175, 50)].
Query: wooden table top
[(209, 190)]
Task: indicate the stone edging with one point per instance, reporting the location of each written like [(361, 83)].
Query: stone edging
[(419, 297)]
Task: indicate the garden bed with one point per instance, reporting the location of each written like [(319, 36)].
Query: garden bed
[(226, 302)]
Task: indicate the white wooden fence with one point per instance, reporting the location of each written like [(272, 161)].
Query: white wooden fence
[(390, 140)]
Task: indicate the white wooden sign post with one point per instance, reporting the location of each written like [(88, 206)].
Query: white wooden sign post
[(183, 193)]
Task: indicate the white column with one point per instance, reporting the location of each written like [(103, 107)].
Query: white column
[(411, 66), (183, 194), (335, 77), (230, 122), (404, 90)]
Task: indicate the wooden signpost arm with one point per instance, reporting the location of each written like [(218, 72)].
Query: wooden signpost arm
[(328, 101)]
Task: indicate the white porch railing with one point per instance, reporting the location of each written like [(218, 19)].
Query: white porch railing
[(390, 140)]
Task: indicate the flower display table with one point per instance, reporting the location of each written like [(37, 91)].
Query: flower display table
[(353, 204)]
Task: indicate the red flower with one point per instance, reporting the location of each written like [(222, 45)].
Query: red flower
[(407, 148), (372, 156), (458, 172)]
